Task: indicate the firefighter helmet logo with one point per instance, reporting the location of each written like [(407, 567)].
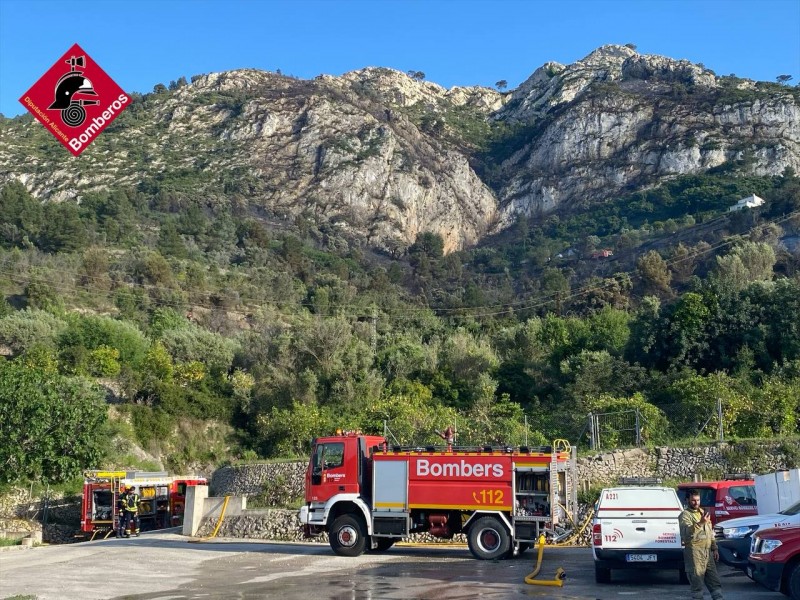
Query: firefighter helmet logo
[(72, 84), (75, 102)]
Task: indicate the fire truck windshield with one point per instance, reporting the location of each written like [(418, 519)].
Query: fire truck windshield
[(329, 456)]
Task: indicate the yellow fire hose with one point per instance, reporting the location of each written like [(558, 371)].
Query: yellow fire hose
[(219, 523), (558, 581)]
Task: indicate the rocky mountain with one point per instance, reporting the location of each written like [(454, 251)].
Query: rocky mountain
[(380, 156)]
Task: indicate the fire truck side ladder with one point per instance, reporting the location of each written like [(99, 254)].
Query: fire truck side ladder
[(563, 497)]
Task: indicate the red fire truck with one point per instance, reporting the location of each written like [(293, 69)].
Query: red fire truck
[(161, 499), (366, 495)]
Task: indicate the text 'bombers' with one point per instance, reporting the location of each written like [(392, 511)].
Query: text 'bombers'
[(98, 122)]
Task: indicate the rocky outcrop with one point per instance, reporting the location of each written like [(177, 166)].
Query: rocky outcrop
[(617, 120)]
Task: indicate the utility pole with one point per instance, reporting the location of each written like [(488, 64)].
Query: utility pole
[(719, 416), (374, 332), (526, 429)]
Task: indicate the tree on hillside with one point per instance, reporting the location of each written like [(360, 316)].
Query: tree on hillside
[(22, 215), (748, 262), (783, 79), (654, 273), (63, 229), (429, 244), (501, 85), (416, 75)]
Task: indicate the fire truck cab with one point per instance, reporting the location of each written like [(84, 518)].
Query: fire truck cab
[(367, 495)]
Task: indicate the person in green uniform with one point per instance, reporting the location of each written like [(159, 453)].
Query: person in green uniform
[(700, 552)]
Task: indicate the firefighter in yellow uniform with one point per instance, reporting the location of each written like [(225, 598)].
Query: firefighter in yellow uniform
[(130, 502), (699, 549)]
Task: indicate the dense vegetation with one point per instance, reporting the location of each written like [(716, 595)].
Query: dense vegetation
[(215, 334)]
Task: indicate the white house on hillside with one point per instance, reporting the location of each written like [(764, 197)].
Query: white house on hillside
[(749, 202)]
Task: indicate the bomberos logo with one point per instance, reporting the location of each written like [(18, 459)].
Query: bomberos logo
[(427, 468), (75, 100)]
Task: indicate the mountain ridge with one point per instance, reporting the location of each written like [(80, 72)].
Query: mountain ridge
[(381, 156)]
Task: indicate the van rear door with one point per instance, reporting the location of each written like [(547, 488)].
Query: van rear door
[(634, 518)]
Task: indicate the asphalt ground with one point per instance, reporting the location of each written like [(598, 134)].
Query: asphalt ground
[(165, 566)]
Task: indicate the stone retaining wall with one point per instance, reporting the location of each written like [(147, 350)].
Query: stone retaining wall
[(593, 471), (276, 483), (598, 470), (20, 512), (684, 464), (281, 484)]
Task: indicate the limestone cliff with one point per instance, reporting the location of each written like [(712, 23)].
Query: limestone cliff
[(617, 121)]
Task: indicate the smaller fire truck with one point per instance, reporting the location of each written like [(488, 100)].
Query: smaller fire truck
[(367, 495), (162, 499)]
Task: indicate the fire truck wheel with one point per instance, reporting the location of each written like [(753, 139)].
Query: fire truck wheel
[(383, 544), (347, 536), (488, 539)]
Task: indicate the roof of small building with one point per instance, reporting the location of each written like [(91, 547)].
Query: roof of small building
[(751, 198)]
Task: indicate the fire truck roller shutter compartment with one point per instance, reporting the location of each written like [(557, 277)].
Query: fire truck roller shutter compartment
[(390, 498)]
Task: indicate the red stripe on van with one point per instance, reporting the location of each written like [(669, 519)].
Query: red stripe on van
[(638, 508)]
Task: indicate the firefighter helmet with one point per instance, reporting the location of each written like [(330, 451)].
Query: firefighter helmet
[(70, 84)]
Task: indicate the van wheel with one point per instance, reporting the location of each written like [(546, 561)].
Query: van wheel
[(488, 539), (347, 536), (602, 575), (793, 583), (683, 578)]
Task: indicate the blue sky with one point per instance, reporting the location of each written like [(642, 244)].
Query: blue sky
[(454, 42)]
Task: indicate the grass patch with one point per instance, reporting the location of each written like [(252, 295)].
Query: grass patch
[(10, 542)]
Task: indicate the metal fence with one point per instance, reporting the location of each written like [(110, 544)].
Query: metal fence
[(621, 429), (615, 430)]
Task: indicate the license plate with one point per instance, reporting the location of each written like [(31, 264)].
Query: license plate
[(750, 572), (641, 557)]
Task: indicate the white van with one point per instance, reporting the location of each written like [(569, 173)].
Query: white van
[(637, 528)]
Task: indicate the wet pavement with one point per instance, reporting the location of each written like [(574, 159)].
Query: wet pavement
[(162, 566)]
